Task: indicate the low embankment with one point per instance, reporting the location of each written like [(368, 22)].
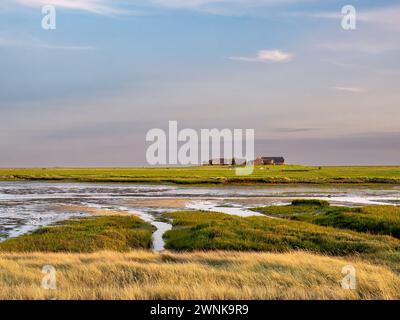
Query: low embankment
[(214, 175)]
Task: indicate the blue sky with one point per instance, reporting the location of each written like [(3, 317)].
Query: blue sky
[(86, 93)]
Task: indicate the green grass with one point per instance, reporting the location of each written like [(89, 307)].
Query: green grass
[(196, 230), (118, 233), (383, 220), (286, 174)]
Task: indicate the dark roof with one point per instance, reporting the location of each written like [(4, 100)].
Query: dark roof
[(279, 159)]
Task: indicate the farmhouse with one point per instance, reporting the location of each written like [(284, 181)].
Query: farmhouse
[(219, 162), (225, 162), (260, 161), (269, 161)]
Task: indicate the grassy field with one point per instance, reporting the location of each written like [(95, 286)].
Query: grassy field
[(201, 275), (212, 175), (196, 230), (215, 231), (371, 219), (89, 234)]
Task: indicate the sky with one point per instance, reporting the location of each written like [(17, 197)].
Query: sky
[(86, 93)]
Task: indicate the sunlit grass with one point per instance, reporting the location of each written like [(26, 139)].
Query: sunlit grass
[(196, 230), (213, 256), (370, 219), (90, 234), (198, 275)]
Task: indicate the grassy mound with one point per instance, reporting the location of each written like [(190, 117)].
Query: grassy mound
[(383, 220), (119, 233), (310, 202), (196, 230)]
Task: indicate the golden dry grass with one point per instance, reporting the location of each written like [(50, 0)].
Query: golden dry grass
[(198, 275)]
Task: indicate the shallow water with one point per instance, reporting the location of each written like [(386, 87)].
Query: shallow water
[(234, 210), (25, 206)]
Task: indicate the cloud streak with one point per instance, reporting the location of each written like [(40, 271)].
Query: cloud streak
[(364, 45), (118, 7), (203, 3), (267, 56), (101, 7), (350, 89), (389, 17), (16, 42)]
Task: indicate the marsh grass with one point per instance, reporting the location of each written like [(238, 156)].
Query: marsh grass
[(198, 275), (197, 230), (384, 220), (89, 234), (217, 266)]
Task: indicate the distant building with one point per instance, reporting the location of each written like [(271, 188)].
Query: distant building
[(225, 162), (269, 161), (219, 162)]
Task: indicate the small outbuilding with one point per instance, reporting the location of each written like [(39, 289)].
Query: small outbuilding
[(260, 161)]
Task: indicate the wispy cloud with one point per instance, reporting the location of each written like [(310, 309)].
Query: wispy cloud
[(362, 46), (65, 47), (389, 17), (350, 89), (295, 130), (102, 7), (204, 3), (386, 16), (225, 7), (24, 42), (144, 7), (272, 56)]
